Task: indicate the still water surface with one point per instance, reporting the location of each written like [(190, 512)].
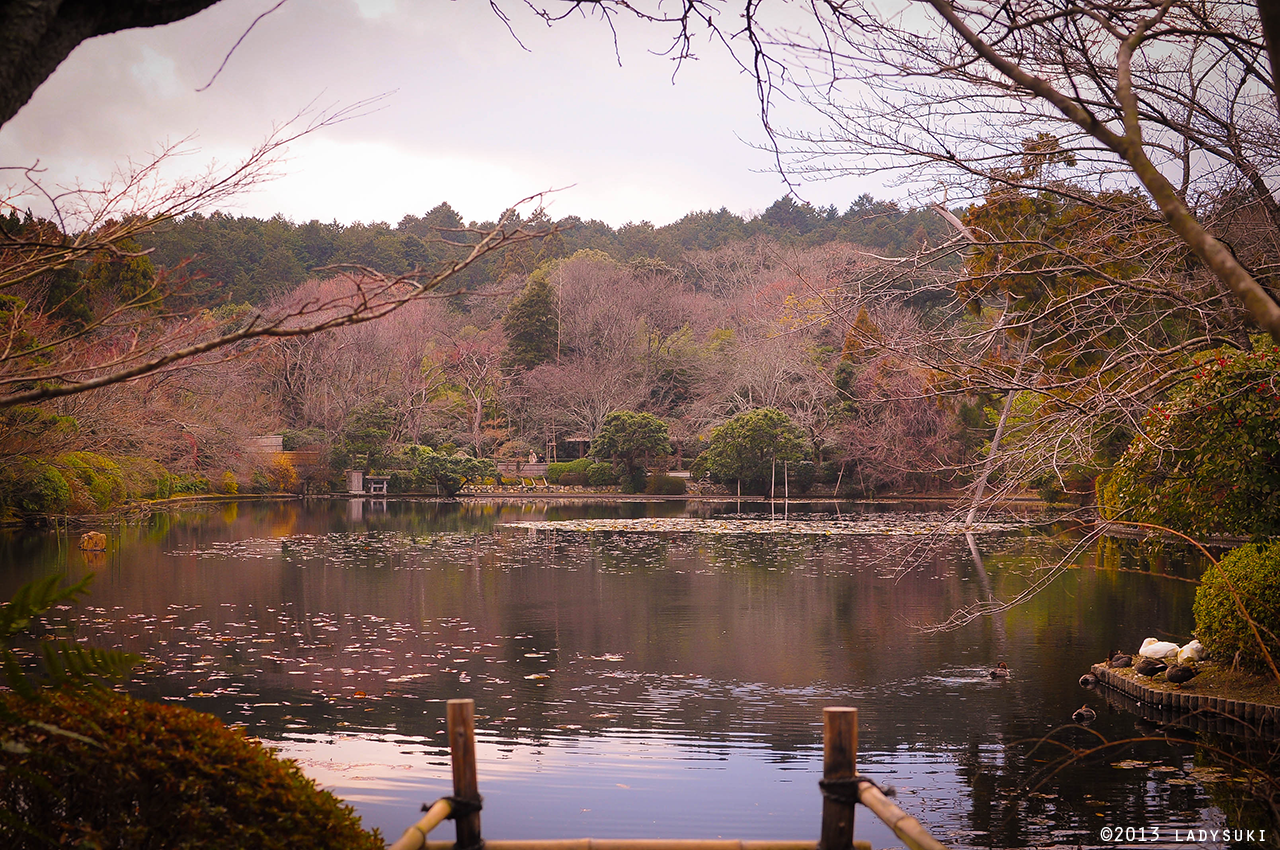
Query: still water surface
[(658, 677)]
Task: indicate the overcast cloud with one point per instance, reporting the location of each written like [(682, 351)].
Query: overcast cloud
[(471, 118)]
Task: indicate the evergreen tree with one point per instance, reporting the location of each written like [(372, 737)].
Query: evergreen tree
[(531, 324)]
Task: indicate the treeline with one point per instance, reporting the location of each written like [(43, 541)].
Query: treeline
[(711, 317), (886, 363), (229, 259)]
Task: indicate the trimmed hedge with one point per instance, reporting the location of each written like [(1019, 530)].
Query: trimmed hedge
[(141, 775), (665, 485), (1254, 571), (572, 467), (602, 475)]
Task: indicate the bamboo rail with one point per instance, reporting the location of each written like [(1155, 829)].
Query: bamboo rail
[(841, 788)]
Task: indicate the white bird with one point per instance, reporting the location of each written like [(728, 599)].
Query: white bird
[(1158, 649), (1193, 651)]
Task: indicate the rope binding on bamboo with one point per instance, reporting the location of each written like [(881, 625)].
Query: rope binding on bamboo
[(849, 791), (460, 807)]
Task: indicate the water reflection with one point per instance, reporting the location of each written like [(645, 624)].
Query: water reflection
[(644, 684)]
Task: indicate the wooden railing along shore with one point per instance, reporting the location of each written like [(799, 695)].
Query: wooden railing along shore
[(841, 787)]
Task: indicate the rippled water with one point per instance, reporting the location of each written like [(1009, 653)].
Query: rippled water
[(652, 669)]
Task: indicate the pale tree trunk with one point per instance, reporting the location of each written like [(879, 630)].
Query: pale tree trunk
[(980, 486)]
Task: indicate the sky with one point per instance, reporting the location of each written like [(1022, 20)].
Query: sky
[(469, 115)]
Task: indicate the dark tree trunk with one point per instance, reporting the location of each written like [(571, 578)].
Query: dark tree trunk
[(36, 35)]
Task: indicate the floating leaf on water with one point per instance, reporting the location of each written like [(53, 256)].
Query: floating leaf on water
[(537, 676), (1129, 764), (941, 525)]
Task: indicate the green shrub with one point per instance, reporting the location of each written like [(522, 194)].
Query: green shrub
[(138, 774), (633, 480), (39, 489), (96, 482), (632, 440), (446, 474), (753, 450), (571, 479), (573, 467), (1254, 571), (601, 475), (292, 441), (1208, 460), (665, 485), (258, 482), (192, 484)]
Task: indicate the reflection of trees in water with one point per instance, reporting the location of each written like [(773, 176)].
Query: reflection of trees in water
[(1253, 802), (1033, 789), (713, 642)]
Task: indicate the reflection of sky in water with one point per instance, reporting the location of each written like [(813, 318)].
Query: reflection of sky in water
[(626, 783), (642, 680)]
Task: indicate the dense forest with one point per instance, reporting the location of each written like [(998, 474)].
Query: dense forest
[(1013, 344)]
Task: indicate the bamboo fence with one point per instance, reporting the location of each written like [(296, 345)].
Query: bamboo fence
[(841, 788)]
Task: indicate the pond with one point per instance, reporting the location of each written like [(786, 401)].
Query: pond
[(659, 669)]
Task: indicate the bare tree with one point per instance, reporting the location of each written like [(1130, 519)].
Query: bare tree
[(321, 378), (128, 335), (471, 361), (1172, 96)]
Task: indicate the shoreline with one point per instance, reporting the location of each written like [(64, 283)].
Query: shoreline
[(1203, 706), (518, 495)]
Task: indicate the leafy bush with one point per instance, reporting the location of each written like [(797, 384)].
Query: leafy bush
[(192, 484), (96, 482), (633, 480), (1208, 460), (1254, 572), (281, 476), (259, 483), (577, 467), (601, 475), (571, 479), (665, 485), (39, 488), (229, 486), (121, 772)]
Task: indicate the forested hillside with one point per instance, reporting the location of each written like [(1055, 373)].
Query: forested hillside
[(1017, 343), (250, 260)]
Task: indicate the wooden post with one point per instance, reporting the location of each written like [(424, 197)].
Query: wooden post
[(462, 751), (839, 755)]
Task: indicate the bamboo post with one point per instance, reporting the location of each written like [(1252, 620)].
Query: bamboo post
[(462, 752), (839, 755)]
